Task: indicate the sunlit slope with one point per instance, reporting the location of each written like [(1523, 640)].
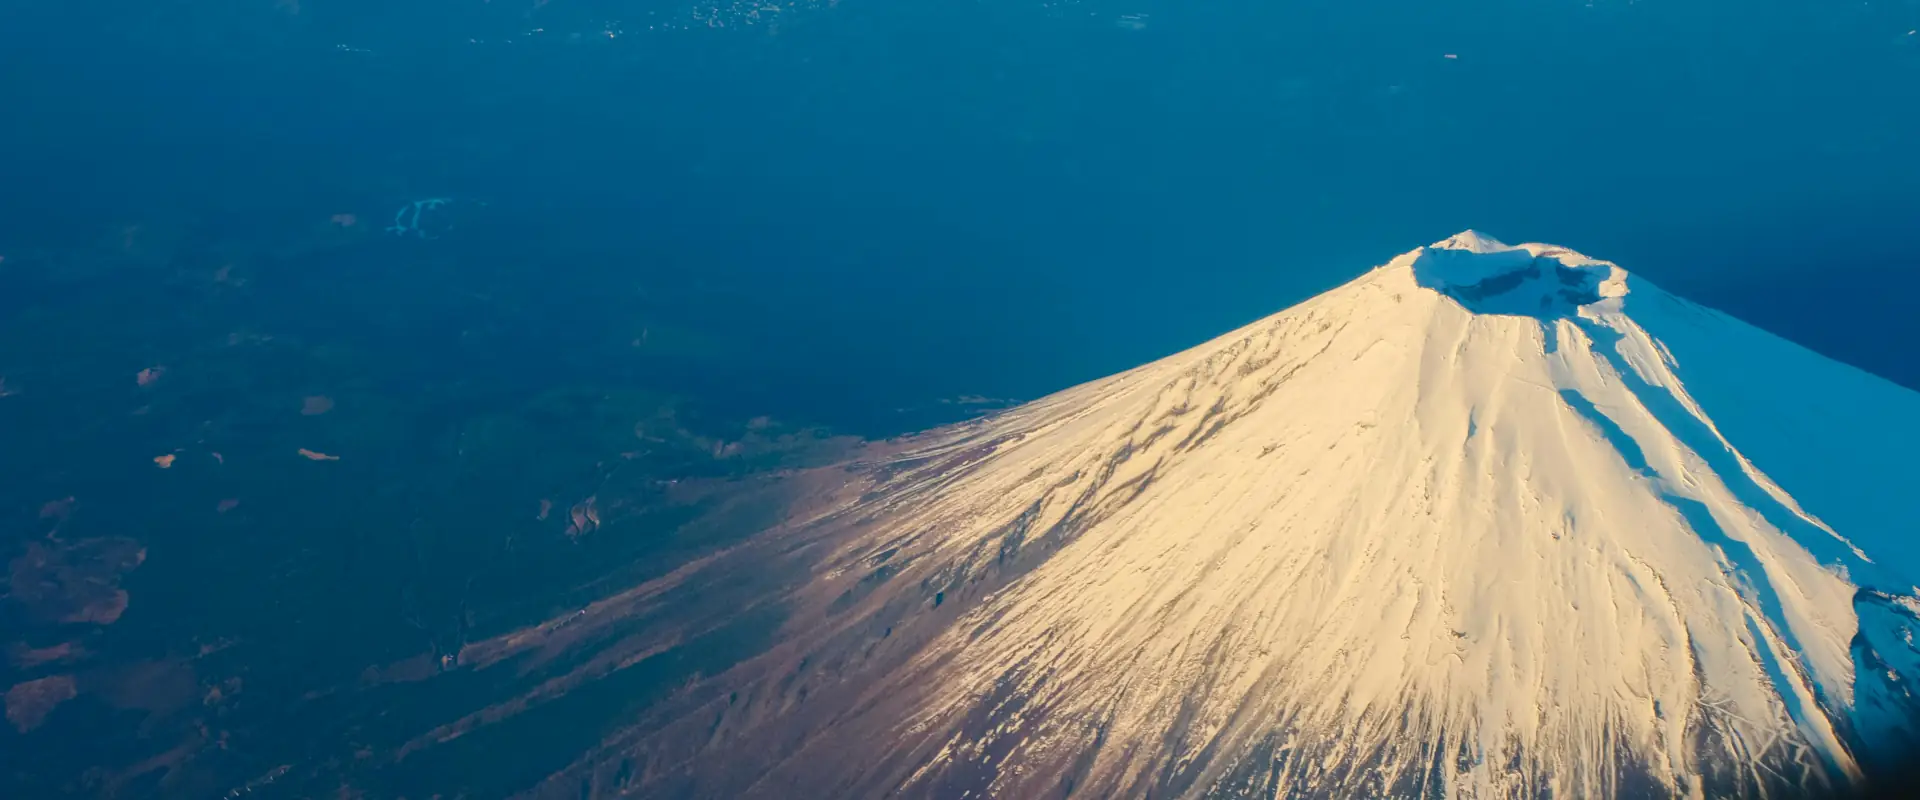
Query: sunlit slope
[(1461, 527)]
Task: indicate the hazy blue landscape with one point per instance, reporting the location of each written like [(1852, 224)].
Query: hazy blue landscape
[(1101, 181), (705, 241)]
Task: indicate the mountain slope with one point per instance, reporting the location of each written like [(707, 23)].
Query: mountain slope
[(1486, 521)]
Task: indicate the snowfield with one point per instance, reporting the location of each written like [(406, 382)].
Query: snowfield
[(1487, 521)]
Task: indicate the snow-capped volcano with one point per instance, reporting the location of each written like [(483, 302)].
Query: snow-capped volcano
[(1487, 521)]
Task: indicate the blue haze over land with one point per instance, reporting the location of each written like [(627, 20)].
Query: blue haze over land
[(1004, 198)]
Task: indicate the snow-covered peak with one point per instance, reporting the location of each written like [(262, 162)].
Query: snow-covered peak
[(1487, 276), (1479, 523), (1471, 241)]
